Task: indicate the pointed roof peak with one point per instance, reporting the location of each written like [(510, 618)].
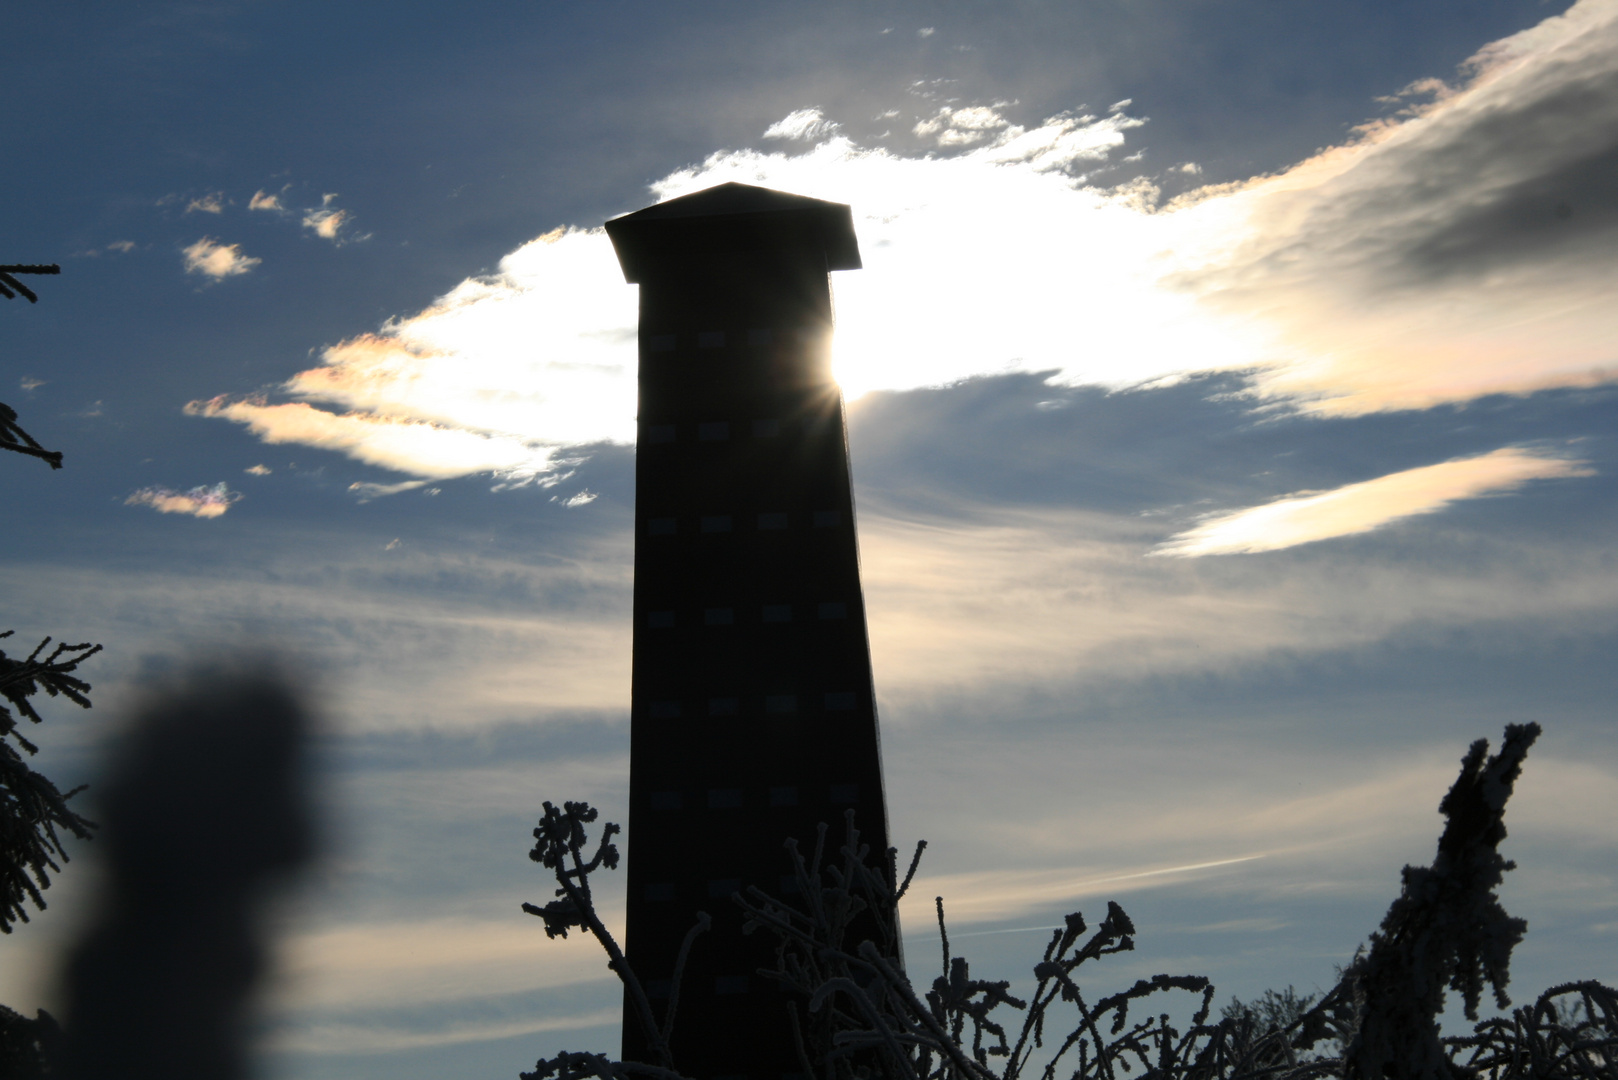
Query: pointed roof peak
[(722, 200), (734, 218)]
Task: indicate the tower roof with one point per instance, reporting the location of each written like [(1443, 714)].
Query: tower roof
[(731, 218)]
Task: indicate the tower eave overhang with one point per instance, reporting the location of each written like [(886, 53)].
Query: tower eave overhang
[(732, 219)]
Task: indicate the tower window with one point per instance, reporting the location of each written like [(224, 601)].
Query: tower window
[(767, 522), (719, 616), (730, 984), (729, 798), (717, 431), (845, 793), (766, 429), (723, 887), (711, 339), (833, 611), (759, 337), (660, 892), (661, 342), (827, 519), (660, 620), (723, 706), (660, 433), (662, 526), (783, 796), (777, 612), (781, 703), (665, 710), (716, 523), (840, 702), (666, 800)]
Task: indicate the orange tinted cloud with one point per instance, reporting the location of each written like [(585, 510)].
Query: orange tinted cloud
[(1359, 508), (202, 502), (406, 446), (1461, 248), (213, 259)]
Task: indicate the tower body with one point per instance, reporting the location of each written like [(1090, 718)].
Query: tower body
[(753, 714)]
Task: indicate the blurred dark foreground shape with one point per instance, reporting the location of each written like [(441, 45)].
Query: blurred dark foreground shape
[(204, 812)]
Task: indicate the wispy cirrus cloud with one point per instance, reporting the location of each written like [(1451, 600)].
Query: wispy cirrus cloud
[(1307, 517), (218, 261), (411, 446), (201, 502), (802, 124)]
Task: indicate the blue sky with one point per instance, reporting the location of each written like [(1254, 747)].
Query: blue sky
[(1231, 403)]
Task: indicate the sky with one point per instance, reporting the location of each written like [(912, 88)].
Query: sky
[(1231, 402)]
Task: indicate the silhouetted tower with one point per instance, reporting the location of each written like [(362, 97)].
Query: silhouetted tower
[(753, 713)]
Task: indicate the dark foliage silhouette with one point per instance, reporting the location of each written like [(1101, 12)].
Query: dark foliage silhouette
[(204, 811), (561, 842), (12, 436), (32, 810), (27, 1046), (856, 1014), (1446, 929)]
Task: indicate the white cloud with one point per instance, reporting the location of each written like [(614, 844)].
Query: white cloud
[(121, 246), (213, 259), (583, 498), (207, 204), (326, 221), (258, 470), (1348, 283), (1460, 248), (1307, 517), (202, 502), (960, 127), (496, 376), (409, 446), (926, 32), (264, 200), (800, 125)]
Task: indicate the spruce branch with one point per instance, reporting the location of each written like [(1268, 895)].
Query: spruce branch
[(33, 812), (12, 436), (11, 288), (18, 441)]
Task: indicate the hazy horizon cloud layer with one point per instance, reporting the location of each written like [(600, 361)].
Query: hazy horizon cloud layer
[(1225, 461), (1192, 737)]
